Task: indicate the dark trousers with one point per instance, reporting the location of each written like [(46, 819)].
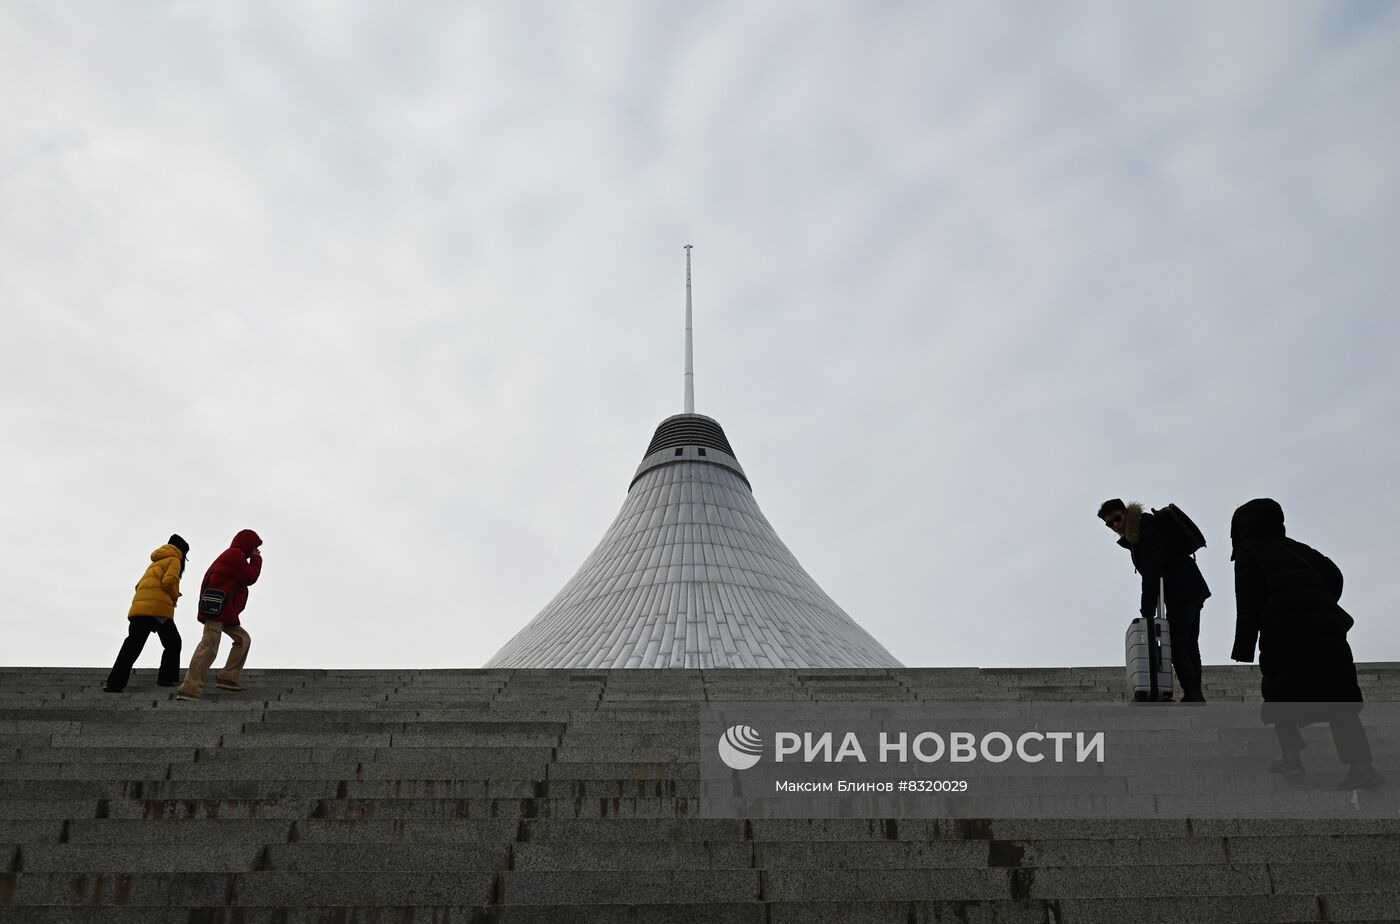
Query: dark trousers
[(1347, 733), (138, 628), (1185, 622)]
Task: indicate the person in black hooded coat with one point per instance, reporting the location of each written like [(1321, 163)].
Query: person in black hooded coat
[(1286, 596)]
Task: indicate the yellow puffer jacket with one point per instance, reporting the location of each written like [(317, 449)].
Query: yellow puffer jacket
[(159, 587)]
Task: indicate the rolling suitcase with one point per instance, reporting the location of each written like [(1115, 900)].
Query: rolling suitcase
[(1148, 650)]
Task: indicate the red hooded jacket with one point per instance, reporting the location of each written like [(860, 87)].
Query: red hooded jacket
[(232, 572)]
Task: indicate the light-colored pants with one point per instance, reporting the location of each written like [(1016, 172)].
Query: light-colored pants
[(208, 650)]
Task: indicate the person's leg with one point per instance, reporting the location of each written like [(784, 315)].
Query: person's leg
[(170, 653), (1196, 650), (1350, 738), (1290, 743), (1185, 623), (1354, 750), (204, 654), (137, 628), (237, 654), (1290, 739)]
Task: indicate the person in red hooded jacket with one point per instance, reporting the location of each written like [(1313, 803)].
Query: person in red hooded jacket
[(236, 567)]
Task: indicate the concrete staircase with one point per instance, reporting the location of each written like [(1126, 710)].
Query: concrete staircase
[(571, 795)]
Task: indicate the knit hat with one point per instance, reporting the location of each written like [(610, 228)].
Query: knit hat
[(180, 544)]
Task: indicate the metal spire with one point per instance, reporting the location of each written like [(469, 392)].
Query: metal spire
[(689, 349)]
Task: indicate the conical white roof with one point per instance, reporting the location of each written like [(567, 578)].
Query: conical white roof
[(691, 574)]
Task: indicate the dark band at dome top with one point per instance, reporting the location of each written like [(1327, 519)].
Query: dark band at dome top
[(689, 438), (689, 430)]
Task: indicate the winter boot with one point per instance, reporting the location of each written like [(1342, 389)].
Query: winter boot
[(1290, 764), (1361, 775)]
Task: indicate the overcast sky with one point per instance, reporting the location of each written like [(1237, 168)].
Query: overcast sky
[(401, 287)]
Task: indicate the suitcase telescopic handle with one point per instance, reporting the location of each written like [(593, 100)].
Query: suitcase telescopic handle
[(1154, 644)]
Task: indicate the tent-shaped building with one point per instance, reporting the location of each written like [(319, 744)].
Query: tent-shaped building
[(691, 574)]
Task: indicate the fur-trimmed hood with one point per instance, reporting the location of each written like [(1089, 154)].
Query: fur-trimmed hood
[(1132, 524)]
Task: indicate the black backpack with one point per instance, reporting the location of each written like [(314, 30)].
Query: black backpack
[(1183, 536)]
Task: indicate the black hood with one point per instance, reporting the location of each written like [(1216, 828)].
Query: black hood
[(1261, 518)]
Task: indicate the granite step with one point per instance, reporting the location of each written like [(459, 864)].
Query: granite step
[(572, 796)]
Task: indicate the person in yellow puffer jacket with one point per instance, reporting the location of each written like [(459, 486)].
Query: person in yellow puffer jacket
[(153, 610)]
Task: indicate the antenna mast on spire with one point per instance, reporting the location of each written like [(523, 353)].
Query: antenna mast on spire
[(689, 349)]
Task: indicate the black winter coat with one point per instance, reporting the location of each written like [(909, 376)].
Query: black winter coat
[(1286, 597), (1181, 579)]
